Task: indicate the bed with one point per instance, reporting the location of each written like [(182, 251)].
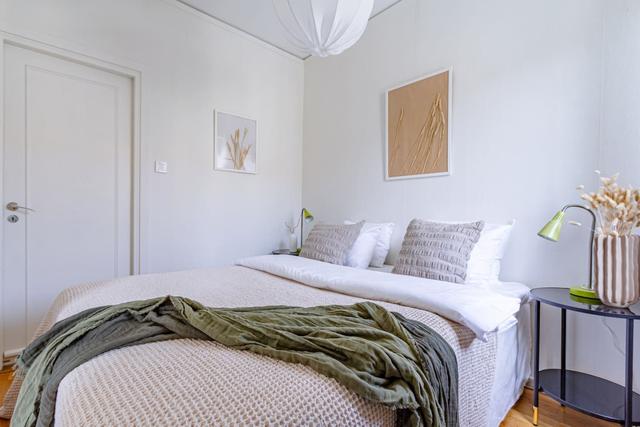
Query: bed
[(189, 382)]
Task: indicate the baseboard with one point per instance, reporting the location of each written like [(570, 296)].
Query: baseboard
[(9, 357), (8, 363), (12, 353)]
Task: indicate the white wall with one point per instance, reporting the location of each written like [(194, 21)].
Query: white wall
[(619, 151), (528, 100), (190, 64)]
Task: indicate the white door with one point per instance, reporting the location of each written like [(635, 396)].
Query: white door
[(67, 164)]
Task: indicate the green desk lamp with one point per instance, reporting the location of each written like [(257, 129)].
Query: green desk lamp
[(551, 231), (305, 216)]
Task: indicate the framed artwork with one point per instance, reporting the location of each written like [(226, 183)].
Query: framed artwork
[(418, 128), (235, 143)]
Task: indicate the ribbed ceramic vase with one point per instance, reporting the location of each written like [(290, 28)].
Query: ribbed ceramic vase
[(617, 269)]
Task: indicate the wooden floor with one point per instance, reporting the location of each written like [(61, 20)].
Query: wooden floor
[(5, 381), (551, 413)]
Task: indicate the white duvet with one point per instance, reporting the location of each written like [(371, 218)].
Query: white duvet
[(483, 308)]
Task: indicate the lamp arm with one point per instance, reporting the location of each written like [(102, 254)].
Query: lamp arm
[(593, 232)]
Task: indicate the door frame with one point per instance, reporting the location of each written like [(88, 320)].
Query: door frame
[(92, 61)]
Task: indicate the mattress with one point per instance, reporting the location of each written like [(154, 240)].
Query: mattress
[(186, 382), (513, 361)]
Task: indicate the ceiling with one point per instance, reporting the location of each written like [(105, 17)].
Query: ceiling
[(258, 18)]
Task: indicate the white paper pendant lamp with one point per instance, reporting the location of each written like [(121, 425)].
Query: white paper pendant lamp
[(324, 27)]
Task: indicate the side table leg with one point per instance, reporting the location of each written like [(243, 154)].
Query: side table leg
[(628, 374), (563, 353), (536, 359)]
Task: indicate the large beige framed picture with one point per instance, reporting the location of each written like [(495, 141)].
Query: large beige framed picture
[(418, 131)]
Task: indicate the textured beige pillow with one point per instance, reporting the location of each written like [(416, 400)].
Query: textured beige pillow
[(331, 242), (437, 251)]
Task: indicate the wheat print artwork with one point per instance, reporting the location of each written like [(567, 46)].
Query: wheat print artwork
[(418, 128), (235, 143)]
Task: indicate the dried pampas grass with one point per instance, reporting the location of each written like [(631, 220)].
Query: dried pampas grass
[(617, 208)]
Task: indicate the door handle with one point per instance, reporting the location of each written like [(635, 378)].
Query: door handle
[(13, 206)]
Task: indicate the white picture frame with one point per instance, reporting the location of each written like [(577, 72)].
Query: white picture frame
[(225, 123), (450, 152)]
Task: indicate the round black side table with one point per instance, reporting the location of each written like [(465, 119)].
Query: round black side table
[(586, 393)]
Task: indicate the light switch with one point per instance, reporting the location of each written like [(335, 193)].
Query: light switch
[(161, 167)]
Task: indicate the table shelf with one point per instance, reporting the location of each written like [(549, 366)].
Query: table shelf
[(589, 394)]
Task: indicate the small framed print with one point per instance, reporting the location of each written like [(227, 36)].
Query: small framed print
[(235, 143)]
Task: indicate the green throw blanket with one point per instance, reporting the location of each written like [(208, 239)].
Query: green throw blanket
[(379, 355)]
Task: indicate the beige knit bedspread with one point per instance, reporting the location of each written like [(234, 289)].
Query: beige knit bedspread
[(191, 382)]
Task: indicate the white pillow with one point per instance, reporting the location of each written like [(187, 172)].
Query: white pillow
[(360, 254), (486, 256), (383, 244)]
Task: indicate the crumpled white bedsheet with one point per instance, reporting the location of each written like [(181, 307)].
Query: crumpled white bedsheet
[(483, 308)]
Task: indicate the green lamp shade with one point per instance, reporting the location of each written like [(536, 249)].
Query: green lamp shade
[(551, 231), (306, 215)]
